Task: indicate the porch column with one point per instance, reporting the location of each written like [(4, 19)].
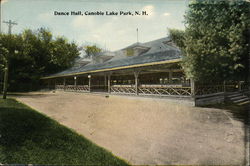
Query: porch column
[(75, 81), (170, 75), (55, 84), (89, 77), (105, 81), (109, 83), (49, 84), (239, 86), (224, 86), (64, 83), (136, 82), (192, 83)]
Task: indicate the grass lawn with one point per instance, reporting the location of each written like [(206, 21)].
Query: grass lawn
[(28, 137)]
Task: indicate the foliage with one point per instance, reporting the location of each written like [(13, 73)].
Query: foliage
[(178, 36), (216, 40), (30, 137), (33, 54), (92, 51)]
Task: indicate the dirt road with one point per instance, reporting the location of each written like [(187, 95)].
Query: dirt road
[(145, 130)]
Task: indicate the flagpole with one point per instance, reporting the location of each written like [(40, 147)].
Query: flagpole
[(137, 35)]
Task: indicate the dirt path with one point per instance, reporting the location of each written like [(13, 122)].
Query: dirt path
[(147, 131)]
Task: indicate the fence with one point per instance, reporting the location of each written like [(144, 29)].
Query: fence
[(223, 87), (163, 90), (73, 88)]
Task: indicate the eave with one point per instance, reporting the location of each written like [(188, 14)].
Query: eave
[(116, 68)]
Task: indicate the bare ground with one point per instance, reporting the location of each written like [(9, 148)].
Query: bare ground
[(147, 130)]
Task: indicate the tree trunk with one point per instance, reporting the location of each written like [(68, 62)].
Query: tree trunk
[(5, 84)]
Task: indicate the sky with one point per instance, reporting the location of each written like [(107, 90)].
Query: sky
[(111, 32)]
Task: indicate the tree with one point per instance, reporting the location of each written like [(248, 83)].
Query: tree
[(60, 46), (178, 36), (92, 51), (33, 54), (215, 43), (4, 67), (10, 49)]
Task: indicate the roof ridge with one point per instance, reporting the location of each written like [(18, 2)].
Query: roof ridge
[(143, 44)]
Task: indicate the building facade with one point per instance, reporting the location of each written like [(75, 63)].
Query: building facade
[(151, 68)]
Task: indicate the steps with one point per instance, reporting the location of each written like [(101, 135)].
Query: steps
[(238, 98)]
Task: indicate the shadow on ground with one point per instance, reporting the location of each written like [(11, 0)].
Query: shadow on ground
[(240, 113), (27, 136), (27, 94)]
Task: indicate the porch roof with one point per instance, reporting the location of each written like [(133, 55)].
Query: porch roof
[(159, 53)]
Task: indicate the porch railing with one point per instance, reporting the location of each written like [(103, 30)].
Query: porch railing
[(82, 88), (126, 89), (169, 91), (59, 87), (162, 90), (73, 88), (174, 90)]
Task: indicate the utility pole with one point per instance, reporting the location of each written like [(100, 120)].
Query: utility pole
[(6, 69), (0, 16), (10, 24)]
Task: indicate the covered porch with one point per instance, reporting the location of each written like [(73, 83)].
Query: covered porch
[(161, 80)]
